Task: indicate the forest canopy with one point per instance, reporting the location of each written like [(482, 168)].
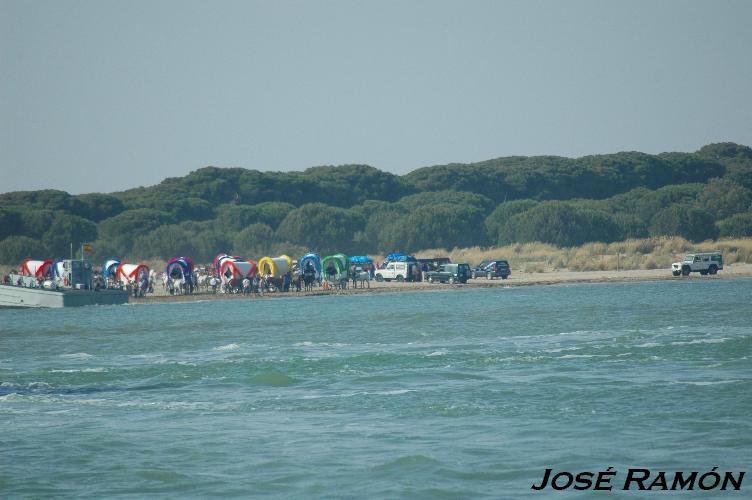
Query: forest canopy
[(359, 209)]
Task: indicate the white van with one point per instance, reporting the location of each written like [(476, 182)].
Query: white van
[(399, 271)]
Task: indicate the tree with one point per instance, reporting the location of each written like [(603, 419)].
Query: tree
[(234, 218), (736, 226), (164, 242), (10, 223), (503, 212), (98, 206), (560, 224), (254, 240), (15, 249), (685, 220), (318, 226), (724, 198), (122, 230), (65, 230)]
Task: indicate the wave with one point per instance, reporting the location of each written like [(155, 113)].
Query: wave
[(77, 355), (228, 347), (714, 382), (701, 341), (393, 392), (308, 343), (572, 356), (100, 369)]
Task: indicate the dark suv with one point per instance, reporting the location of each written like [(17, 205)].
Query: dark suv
[(492, 269), (449, 273)]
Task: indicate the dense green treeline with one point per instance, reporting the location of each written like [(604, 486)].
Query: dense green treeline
[(360, 209)]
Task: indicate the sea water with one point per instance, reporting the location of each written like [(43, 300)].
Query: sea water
[(441, 394)]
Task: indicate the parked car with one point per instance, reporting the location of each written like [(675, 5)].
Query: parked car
[(400, 271), (491, 269), (703, 263), (433, 263), (449, 273)]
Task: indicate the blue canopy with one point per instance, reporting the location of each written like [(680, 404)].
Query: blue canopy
[(400, 257), (361, 259), (110, 268), (315, 260)]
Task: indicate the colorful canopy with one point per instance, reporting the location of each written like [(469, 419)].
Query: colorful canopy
[(339, 262), (361, 259), (110, 268), (234, 268), (218, 260), (400, 257), (276, 266), (132, 272), (36, 268), (182, 266), (314, 260)]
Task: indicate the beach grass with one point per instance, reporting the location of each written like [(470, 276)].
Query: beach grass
[(648, 253)]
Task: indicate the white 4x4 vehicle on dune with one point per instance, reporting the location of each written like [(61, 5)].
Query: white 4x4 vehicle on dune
[(703, 263)]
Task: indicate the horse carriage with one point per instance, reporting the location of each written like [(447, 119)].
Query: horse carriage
[(336, 270), (272, 272), (310, 270), (360, 266), (232, 271), (134, 277), (179, 276), (109, 273)]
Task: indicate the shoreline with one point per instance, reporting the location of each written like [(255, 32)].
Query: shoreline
[(731, 271)]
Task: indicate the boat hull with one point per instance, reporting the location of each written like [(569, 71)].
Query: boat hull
[(17, 296)]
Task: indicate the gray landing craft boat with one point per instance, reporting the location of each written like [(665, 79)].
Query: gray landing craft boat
[(72, 288)]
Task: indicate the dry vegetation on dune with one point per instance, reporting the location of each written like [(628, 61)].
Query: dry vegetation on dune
[(649, 253)]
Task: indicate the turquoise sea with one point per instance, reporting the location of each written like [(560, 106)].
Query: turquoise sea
[(440, 394)]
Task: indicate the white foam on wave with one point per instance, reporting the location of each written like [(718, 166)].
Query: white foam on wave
[(715, 382), (30, 385), (648, 345), (393, 392), (436, 353), (572, 356), (99, 369), (228, 347), (701, 341), (561, 349), (77, 355), (308, 343)]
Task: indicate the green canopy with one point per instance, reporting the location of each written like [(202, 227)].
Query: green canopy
[(340, 262)]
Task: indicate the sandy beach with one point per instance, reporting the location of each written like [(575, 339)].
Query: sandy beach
[(730, 271)]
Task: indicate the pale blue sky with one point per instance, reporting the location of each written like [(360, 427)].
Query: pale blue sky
[(107, 95)]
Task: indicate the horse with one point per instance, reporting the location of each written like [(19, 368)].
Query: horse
[(362, 278), (296, 281), (202, 281), (308, 280)]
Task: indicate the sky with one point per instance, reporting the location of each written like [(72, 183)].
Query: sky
[(104, 95)]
